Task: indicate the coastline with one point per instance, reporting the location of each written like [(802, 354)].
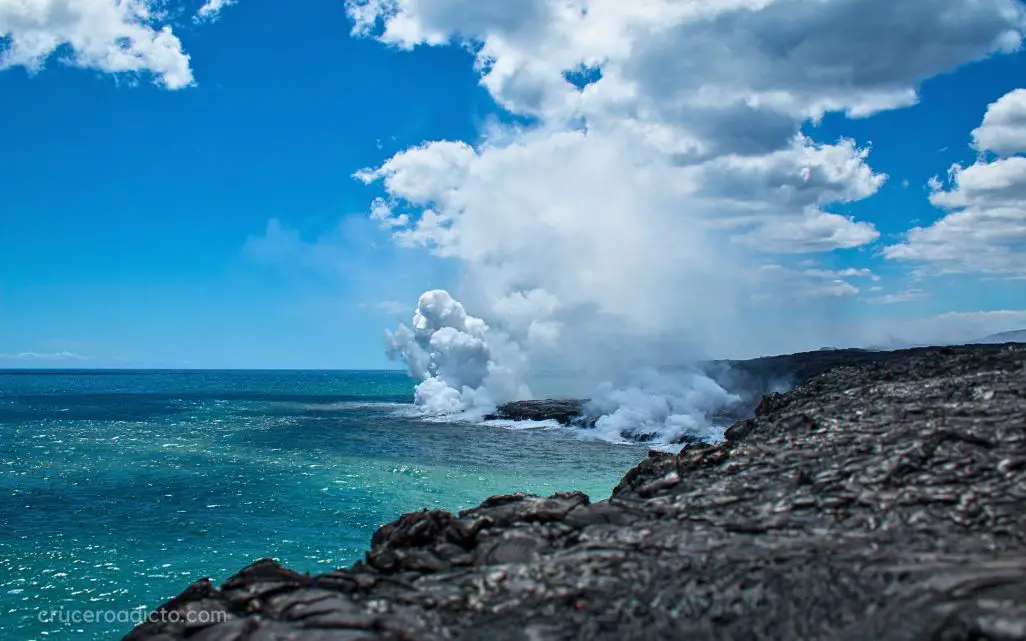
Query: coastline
[(882, 497)]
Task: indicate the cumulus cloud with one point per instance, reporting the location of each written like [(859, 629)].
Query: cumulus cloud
[(1004, 126), (690, 60), (984, 229), (659, 157), (112, 36)]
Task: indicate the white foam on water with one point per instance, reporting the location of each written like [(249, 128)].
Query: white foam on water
[(517, 426)]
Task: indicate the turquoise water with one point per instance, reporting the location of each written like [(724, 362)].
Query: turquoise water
[(118, 489)]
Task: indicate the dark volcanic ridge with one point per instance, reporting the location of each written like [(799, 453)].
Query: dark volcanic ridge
[(750, 380), (882, 499)]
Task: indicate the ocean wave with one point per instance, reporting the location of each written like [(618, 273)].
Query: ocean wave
[(583, 432), (517, 426)]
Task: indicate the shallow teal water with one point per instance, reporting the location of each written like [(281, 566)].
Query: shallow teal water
[(119, 489)]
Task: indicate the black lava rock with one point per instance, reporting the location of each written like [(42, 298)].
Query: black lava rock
[(884, 498), (564, 411)]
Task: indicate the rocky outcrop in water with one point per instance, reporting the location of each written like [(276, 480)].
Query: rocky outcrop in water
[(563, 411), (883, 499)]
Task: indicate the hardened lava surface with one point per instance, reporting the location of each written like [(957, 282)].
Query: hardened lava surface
[(882, 499)]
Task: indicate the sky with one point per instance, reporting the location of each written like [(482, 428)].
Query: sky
[(220, 184)]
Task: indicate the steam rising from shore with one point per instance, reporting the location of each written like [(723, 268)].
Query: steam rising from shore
[(658, 198), (465, 367), (659, 407), (462, 364)]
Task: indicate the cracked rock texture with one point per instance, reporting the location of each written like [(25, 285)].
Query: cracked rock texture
[(883, 499), (565, 411)]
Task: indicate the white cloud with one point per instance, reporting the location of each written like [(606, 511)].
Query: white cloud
[(782, 283), (1000, 183), (38, 356), (850, 272), (984, 231), (211, 10), (641, 196), (817, 231), (693, 60), (1004, 126), (906, 296), (112, 36)]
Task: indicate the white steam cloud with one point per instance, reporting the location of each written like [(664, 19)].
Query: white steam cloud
[(466, 367), (659, 407), (462, 364), (661, 198)]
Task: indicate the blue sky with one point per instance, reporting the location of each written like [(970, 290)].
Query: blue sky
[(219, 225), (915, 144), (126, 209)]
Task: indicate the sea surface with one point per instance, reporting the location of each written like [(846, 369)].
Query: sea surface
[(118, 489)]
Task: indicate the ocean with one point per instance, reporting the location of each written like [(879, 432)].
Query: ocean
[(119, 488)]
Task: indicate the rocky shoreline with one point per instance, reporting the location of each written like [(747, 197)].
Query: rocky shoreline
[(883, 498), (750, 380)]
